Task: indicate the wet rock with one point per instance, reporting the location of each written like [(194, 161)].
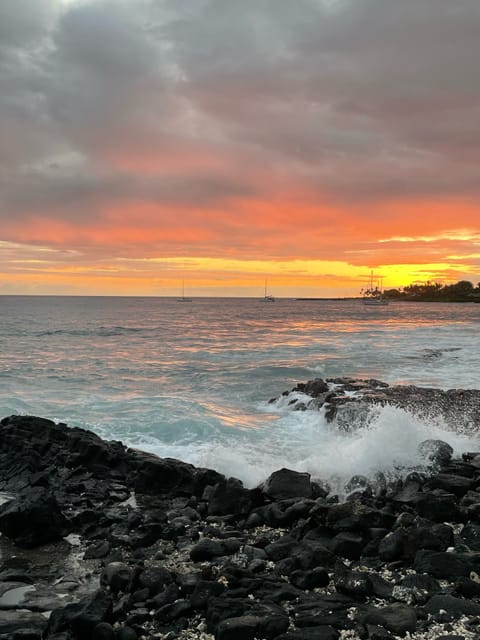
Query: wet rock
[(208, 549), (117, 576), (81, 618), (325, 611), (324, 632), (435, 451), (467, 587), (126, 633), (353, 583), (348, 545), (404, 543), (438, 506), (12, 622), (167, 476), (380, 587), (103, 631), (180, 551), (316, 387), (448, 607), (285, 483), (416, 588), (97, 550), (450, 483), (397, 618), (154, 579), (470, 535), (249, 627), (316, 577), (355, 516), (447, 565), (229, 497), (33, 520)]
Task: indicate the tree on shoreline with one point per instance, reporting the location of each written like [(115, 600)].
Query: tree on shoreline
[(461, 291)]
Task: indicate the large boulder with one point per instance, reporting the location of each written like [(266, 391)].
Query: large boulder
[(33, 520), (284, 484), (442, 564), (229, 496), (397, 618), (152, 475)]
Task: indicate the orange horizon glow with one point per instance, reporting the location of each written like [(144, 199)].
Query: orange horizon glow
[(303, 248), (224, 155)]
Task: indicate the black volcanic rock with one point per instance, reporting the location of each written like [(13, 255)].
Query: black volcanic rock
[(457, 407), (286, 483), (33, 520), (397, 618), (170, 550), (228, 496), (447, 565)]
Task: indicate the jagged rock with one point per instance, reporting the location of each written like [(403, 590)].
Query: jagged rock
[(172, 544), (249, 627), (155, 579), (324, 632), (126, 633), (208, 549), (103, 631), (404, 542), (447, 565), (355, 516), (470, 535), (13, 621), (349, 401), (117, 576), (285, 483), (81, 618), (97, 550), (416, 588), (348, 545), (326, 611), (448, 607), (467, 587), (438, 505), (397, 618), (458, 485), (33, 520), (435, 451), (316, 577), (352, 583), (229, 497), (168, 476)]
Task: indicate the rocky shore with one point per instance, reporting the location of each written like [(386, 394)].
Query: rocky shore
[(103, 542), (350, 401)]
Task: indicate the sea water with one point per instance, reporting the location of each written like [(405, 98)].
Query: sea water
[(193, 380)]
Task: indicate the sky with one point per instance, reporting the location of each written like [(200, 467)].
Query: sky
[(226, 143)]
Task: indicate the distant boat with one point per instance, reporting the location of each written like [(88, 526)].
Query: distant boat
[(373, 296), (183, 298), (267, 297)]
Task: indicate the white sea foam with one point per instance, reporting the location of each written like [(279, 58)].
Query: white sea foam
[(304, 441), (195, 383)]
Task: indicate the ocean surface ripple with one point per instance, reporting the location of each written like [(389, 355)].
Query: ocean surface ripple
[(194, 380)]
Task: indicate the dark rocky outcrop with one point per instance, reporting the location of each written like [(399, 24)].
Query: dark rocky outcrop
[(103, 542), (350, 401)]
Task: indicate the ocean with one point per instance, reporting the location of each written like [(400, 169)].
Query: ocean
[(193, 380)]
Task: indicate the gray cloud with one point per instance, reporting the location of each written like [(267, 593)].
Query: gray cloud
[(356, 99)]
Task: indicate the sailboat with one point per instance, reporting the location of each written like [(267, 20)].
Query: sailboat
[(183, 298), (267, 297), (373, 295)]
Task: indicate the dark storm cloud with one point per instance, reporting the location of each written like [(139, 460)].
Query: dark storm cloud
[(328, 83), (355, 99)]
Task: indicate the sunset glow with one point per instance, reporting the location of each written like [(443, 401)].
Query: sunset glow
[(223, 143)]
